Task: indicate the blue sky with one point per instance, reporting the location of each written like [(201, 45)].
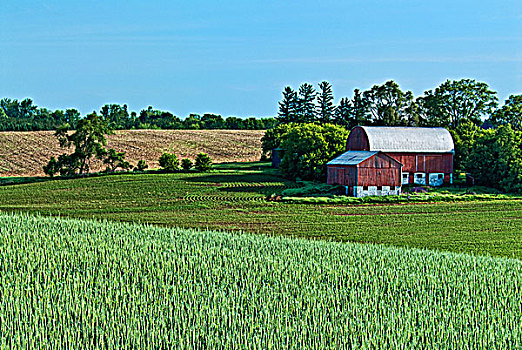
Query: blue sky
[(235, 57)]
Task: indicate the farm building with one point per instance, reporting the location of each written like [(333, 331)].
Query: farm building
[(366, 173), (425, 156)]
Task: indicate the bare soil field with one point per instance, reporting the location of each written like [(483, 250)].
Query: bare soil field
[(25, 153)]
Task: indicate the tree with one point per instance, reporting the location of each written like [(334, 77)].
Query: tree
[(142, 165), (455, 101), (117, 116), (496, 159), (272, 139), (115, 160), (203, 162), (510, 113), (151, 118), (343, 113), (169, 162), (186, 164), (193, 121), (72, 116), (464, 140), (306, 108), (325, 99), (212, 121), (288, 106), (308, 147), (89, 141), (388, 105)]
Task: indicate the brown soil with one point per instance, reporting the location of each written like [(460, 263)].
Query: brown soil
[(25, 153)]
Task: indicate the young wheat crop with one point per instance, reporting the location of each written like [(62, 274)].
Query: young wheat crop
[(85, 284)]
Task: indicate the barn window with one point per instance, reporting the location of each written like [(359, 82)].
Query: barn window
[(365, 188), (441, 176), (379, 188)]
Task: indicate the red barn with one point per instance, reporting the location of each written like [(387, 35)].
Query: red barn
[(366, 173), (426, 154)]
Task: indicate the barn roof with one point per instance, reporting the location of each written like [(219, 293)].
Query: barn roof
[(409, 139), (352, 158)]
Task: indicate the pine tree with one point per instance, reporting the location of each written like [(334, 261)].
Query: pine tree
[(306, 111), (343, 113), (325, 99), (287, 107)]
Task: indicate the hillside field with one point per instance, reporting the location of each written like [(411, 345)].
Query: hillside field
[(233, 198), (110, 285), (25, 153)]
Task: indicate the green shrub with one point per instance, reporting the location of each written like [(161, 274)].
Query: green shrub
[(308, 147), (203, 162), (186, 164), (169, 161), (142, 165), (52, 167)]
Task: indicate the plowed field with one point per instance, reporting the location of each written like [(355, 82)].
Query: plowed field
[(25, 153)]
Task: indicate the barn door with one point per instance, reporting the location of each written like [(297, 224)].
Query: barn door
[(420, 161)]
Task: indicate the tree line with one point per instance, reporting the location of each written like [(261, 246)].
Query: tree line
[(25, 116), (88, 142), (449, 105)]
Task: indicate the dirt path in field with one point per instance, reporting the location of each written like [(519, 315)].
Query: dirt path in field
[(25, 153)]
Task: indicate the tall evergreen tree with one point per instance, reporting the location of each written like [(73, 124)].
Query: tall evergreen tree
[(359, 108), (325, 99), (287, 107), (343, 113), (307, 109)]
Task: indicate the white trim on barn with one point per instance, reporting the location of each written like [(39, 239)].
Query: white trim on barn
[(363, 191), (419, 178), (405, 178)]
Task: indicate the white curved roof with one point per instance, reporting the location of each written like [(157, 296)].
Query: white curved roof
[(409, 139)]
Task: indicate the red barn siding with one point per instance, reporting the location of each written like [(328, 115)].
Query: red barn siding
[(379, 170), (425, 162), (345, 175)]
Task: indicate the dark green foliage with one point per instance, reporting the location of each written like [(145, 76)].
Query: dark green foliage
[(313, 189), (203, 162), (52, 167), (142, 165), (325, 99), (306, 107), (186, 164), (272, 138), (169, 162), (25, 116), (308, 147), (510, 113), (496, 159), (388, 105), (115, 160), (464, 139), (343, 114), (456, 101), (288, 106)]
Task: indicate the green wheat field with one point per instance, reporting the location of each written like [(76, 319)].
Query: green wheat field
[(97, 284)]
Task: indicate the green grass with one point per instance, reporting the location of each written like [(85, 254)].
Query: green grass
[(233, 198), (83, 284)]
